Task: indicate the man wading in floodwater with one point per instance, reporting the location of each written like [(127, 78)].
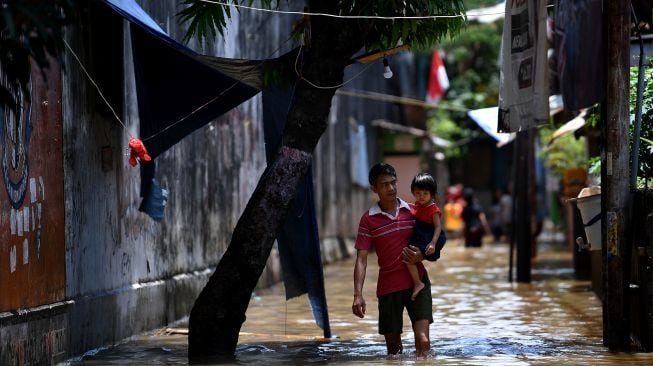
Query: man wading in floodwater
[(388, 227)]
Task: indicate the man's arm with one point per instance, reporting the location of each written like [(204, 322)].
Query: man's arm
[(358, 307), (411, 255)]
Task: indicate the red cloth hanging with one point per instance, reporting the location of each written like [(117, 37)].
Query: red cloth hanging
[(138, 150)]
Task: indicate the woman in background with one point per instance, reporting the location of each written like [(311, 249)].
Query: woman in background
[(474, 218)]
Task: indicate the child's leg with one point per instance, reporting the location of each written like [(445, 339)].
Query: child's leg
[(418, 285), (412, 269)]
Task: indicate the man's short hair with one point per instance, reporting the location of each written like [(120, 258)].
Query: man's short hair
[(426, 182), (380, 169)]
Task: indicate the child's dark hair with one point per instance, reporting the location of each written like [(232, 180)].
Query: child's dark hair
[(426, 182), (380, 169)]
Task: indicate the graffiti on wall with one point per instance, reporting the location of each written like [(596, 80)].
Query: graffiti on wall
[(15, 137), (32, 267)]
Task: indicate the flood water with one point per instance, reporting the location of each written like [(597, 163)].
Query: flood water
[(480, 319)]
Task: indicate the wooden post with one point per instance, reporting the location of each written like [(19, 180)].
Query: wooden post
[(513, 214), (523, 223), (615, 175)]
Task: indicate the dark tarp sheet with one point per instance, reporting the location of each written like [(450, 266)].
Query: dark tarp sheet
[(579, 49), (174, 87), (299, 243), (172, 82), (178, 92)]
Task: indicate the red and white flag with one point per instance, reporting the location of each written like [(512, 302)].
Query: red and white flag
[(438, 79)]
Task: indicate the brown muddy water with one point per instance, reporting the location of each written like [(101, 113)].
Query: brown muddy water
[(480, 319)]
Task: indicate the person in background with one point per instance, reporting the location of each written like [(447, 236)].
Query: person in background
[(474, 218), (453, 208), (505, 202), (495, 216)]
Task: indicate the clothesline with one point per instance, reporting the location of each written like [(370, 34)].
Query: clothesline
[(365, 94), (115, 115), (404, 100), (461, 15), (379, 17)]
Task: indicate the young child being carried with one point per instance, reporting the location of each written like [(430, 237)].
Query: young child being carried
[(428, 235)]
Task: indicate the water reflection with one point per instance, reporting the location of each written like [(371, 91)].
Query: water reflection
[(480, 318)]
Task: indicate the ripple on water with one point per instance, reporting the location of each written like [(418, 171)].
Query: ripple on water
[(480, 319)]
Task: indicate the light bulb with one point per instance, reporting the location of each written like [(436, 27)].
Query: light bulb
[(387, 73)]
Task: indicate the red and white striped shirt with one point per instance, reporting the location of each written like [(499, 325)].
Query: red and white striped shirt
[(388, 234)]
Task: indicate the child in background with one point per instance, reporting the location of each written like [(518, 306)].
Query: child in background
[(453, 208), (428, 235)]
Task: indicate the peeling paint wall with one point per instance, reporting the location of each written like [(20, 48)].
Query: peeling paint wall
[(32, 271), (124, 272)]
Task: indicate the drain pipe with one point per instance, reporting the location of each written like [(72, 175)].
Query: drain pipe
[(638, 106)]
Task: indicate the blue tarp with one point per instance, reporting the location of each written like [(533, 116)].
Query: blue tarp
[(172, 81), (359, 161), (172, 101), (298, 240)]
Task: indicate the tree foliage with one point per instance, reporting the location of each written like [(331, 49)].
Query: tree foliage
[(566, 152), (206, 19), (472, 63), (473, 57), (645, 171), (646, 133)]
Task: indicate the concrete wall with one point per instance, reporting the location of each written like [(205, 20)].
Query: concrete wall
[(126, 273)]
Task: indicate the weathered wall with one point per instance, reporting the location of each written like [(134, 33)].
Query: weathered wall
[(125, 273), (32, 266)]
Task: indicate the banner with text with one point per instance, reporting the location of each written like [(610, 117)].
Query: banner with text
[(523, 88)]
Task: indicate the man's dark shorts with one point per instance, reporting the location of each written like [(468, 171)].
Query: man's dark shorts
[(391, 308)]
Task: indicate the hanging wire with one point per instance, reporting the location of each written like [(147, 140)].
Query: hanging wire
[(88, 75), (326, 87), (81, 65), (365, 94), (193, 112), (263, 61), (177, 121), (416, 17), (216, 97)]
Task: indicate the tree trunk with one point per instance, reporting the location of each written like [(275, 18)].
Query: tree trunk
[(219, 311), (615, 178)]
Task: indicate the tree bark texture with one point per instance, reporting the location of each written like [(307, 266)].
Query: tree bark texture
[(615, 178), (219, 311)]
